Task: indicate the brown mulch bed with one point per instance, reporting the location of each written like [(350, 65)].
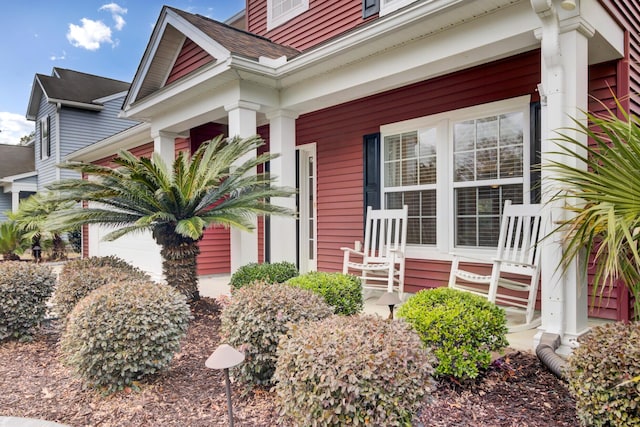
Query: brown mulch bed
[(516, 391)]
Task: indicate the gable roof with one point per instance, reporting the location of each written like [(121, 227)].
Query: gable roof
[(16, 159), (219, 40), (72, 88), (236, 41)]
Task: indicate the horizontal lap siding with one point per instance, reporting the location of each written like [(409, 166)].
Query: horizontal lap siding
[(322, 21), (190, 58), (338, 132)]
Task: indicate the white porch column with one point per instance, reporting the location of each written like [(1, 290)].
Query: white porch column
[(282, 140), (15, 200), (564, 93), (243, 123), (164, 143)]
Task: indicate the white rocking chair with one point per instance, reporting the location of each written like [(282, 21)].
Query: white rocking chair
[(518, 256), (381, 260)]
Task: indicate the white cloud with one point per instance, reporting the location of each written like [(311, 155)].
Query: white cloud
[(13, 127), (116, 12), (90, 35), (59, 57)]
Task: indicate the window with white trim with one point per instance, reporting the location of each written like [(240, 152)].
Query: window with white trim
[(455, 170), (388, 6), (45, 138), (281, 11)]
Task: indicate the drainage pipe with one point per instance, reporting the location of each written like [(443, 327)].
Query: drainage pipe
[(546, 352)]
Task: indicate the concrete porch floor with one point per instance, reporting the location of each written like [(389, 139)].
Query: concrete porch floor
[(215, 285)]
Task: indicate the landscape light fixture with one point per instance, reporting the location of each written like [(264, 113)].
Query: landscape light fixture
[(391, 299), (225, 357)]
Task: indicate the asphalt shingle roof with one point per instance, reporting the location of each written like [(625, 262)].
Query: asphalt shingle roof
[(74, 86), (16, 159)]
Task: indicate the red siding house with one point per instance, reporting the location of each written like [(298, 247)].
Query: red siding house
[(443, 105)]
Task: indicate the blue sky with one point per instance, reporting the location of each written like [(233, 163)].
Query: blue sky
[(98, 37)]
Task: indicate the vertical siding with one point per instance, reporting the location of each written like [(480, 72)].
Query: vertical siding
[(190, 58), (323, 20), (338, 133)]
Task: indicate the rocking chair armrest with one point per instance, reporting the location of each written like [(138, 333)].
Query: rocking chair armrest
[(397, 252), (507, 261), (352, 251), (469, 258)]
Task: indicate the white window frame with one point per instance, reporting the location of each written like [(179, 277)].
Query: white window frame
[(443, 122), (45, 142), (274, 21), (388, 6)]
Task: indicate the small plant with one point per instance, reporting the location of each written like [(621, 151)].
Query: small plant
[(256, 318), (124, 331), (24, 291), (76, 283), (341, 291), (602, 375), (278, 272), (359, 370), (12, 241), (461, 328)]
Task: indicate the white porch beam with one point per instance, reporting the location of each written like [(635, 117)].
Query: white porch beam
[(564, 92), (15, 201), (243, 123), (282, 140)]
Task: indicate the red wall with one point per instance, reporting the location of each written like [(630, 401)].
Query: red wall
[(190, 58), (323, 20), (338, 132)]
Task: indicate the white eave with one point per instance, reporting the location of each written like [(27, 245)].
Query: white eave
[(12, 178), (127, 139)]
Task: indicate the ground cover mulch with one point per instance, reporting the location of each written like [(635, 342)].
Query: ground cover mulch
[(516, 391)]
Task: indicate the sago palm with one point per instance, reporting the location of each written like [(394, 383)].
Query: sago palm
[(603, 200), (213, 187), (32, 216)]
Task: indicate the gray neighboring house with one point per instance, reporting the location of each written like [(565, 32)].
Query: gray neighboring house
[(18, 176), (72, 110)]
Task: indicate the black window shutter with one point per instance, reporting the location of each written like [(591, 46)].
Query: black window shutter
[(370, 7), (371, 171), (535, 117)]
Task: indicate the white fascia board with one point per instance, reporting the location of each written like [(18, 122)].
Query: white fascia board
[(36, 92), (75, 104), (111, 97), (211, 46), (13, 178), (166, 96), (16, 187), (485, 39), (127, 139), (604, 24), (169, 17)]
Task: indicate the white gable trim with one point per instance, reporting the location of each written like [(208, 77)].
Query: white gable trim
[(169, 17)]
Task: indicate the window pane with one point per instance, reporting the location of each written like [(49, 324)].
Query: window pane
[(427, 157), (466, 201), (409, 172), (511, 162), (391, 147), (464, 167), (421, 226), (466, 232), (392, 174), (413, 231), (489, 228), (487, 132), (487, 164), (393, 201), (409, 141), (511, 128), (464, 136), (429, 231), (412, 199)]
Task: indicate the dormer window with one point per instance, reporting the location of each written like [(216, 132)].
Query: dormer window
[(281, 11)]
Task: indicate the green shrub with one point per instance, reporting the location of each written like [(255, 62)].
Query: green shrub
[(461, 328), (278, 272), (24, 291), (356, 370), (123, 331), (341, 291), (255, 319), (75, 284), (608, 356)]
